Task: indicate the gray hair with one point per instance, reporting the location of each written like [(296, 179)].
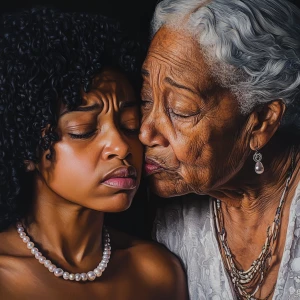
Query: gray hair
[(251, 46)]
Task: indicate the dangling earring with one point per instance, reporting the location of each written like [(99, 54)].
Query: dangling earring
[(259, 167)]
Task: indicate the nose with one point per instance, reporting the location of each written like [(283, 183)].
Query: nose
[(151, 132), (115, 145)]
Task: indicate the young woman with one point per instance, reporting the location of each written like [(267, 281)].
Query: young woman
[(69, 152)]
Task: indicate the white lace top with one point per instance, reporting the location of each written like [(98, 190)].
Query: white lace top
[(186, 227)]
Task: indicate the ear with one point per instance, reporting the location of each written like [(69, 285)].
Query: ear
[(29, 165), (266, 122)]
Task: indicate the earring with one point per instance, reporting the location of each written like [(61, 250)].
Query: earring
[(259, 167)]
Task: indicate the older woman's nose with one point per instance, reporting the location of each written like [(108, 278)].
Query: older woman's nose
[(151, 133)]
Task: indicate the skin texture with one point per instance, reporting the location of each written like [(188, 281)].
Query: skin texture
[(67, 214), (197, 141)]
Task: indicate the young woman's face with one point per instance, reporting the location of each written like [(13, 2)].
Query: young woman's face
[(98, 159)]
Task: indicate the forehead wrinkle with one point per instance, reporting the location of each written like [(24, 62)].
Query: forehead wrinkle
[(192, 75), (184, 53), (178, 62)]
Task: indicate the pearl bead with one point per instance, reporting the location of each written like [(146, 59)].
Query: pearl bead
[(38, 255), (47, 263), (91, 276), (84, 276), (98, 272), (20, 229), (66, 275), (42, 259), (58, 272), (19, 224), (259, 168), (101, 267), (34, 250), (106, 252), (22, 234), (71, 276), (77, 277), (25, 239), (30, 245), (51, 268)]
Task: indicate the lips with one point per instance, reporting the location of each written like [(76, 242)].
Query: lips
[(152, 166), (121, 178)]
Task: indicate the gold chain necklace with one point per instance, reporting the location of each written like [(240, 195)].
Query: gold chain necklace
[(252, 278)]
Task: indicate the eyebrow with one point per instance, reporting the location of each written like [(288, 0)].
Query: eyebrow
[(83, 108), (178, 85), (146, 73)]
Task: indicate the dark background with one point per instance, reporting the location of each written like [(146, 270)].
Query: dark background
[(135, 16)]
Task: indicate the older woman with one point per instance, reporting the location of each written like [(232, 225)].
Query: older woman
[(221, 117)]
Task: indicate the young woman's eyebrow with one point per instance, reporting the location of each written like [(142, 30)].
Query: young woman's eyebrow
[(93, 107)]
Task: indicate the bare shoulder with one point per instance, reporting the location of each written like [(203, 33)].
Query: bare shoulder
[(157, 266), (9, 253), (9, 239)]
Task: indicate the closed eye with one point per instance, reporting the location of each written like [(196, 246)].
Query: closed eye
[(181, 115), (82, 136), (146, 104)]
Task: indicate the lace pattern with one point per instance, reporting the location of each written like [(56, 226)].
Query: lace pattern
[(186, 227)]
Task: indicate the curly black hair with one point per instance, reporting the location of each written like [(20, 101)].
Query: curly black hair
[(46, 58)]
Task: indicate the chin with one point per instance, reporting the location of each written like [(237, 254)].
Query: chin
[(167, 188), (119, 202)]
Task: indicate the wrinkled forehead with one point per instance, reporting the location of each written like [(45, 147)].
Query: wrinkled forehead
[(111, 80), (108, 85), (176, 51), (112, 83)]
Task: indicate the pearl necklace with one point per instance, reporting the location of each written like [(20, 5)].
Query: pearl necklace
[(58, 272)]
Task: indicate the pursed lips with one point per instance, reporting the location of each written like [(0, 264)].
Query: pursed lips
[(152, 166)]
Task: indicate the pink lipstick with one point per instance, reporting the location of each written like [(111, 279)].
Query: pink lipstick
[(121, 178)]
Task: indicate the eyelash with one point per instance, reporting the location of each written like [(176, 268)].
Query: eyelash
[(131, 131), (146, 103), (171, 112), (82, 136)]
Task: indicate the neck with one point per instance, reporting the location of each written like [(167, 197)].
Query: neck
[(65, 230), (249, 194)]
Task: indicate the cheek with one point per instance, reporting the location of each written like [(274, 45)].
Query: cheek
[(188, 146), (200, 152), (71, 167)]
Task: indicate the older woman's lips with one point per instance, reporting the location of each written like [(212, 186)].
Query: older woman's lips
[(121, 178), (152, 167)]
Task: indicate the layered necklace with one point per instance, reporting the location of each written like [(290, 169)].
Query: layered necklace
[(58, 272), (251, 279)]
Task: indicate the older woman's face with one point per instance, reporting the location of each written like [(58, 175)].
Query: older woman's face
[(194, 134)]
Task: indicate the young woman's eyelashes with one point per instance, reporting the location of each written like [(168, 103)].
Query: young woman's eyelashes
[(82, 136)]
